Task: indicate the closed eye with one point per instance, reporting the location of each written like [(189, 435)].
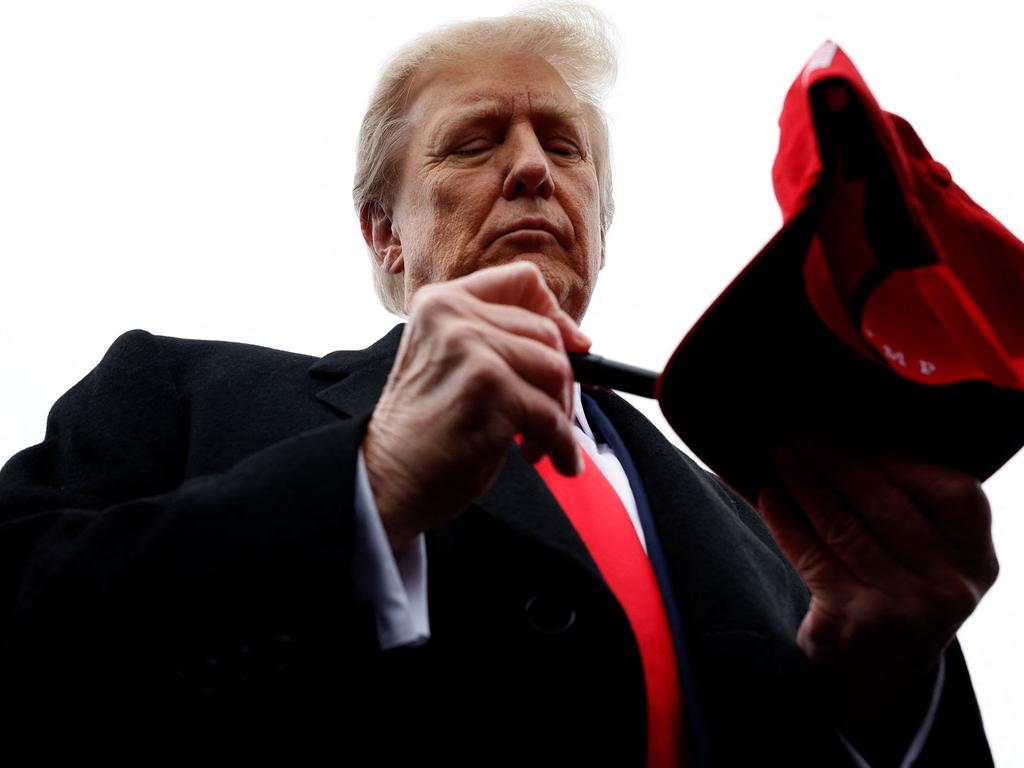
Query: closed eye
[(564, 150), (470, 150)]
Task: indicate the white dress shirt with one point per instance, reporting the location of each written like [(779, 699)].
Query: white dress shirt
[(395, 583)]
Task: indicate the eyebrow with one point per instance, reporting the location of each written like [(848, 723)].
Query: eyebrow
[(477, 109)]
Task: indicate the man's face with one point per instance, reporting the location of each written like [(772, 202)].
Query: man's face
[(498, 167)]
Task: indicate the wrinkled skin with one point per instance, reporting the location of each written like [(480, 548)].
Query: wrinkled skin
[(496, 231), (896, 554)]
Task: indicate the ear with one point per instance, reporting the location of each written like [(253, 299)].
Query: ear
[(382, 237)]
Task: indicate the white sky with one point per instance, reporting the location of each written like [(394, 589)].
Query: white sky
[(185, 168)]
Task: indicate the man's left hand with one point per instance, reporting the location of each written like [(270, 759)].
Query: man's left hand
[(896, 554)]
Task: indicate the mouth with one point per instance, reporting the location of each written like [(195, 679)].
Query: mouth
[(529, 239), (533, 229)]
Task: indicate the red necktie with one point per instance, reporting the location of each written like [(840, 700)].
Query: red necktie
[(602, 522)]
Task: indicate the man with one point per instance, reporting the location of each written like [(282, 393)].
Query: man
[(353, 554)]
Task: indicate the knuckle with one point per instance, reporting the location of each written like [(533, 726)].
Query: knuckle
[(564, 368), (554, 375), (421, 299), (545, 420), (952, 597), (533, 279), (964, 491), (844, 533), (529, 271), (554, 361), (550, 333), (480, 379), (824, 637), (461, 335), (810, 561), (552, 425), (989, 571), (963, 598), (431, 300)]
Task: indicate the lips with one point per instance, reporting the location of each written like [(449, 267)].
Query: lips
[(532, 224)]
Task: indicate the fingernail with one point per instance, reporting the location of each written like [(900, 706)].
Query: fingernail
[(583, 338)]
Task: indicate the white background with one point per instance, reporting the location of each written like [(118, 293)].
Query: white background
[(185, 168)]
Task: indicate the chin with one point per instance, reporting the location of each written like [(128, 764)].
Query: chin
[(554, 274), (576, 307), (562, 281), (568, 288)]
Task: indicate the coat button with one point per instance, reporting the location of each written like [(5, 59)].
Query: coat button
[(178, 678), (281, 653), (549, 614), (213, 676)]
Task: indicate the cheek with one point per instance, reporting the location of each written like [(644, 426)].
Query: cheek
[(424, 209), (440, 195), (440, 221), (588, 211), (460, 206)]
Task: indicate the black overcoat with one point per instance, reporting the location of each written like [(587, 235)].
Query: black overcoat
[(176, 564)]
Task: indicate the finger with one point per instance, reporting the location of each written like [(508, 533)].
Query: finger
[(797, 538), (534, 452), (512, 405), (522, 284), (544, 428), (894, 518), (519, 321), (522, 322), (954, 501), (466, 325), (545, 368), (840, 529)]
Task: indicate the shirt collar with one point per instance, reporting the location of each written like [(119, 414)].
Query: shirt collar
[(581, 417)]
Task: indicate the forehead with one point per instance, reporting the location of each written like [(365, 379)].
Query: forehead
[(490, 86)]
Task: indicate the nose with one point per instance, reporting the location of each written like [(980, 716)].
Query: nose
[(529, 172)]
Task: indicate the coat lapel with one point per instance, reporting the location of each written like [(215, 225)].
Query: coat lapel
[(719, 566), (739, 600), (730, 581), (363, 374), (521, 501)]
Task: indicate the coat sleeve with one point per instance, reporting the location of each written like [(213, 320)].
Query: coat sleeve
[(127, 585)]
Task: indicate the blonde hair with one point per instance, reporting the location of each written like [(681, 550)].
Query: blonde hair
[(574, 38)]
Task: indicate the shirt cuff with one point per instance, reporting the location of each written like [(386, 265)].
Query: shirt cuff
[(918, 742), (394, 583)]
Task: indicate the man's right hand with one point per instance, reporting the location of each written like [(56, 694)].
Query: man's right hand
[(482, 359)]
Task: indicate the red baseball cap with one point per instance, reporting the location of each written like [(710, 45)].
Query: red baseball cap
[(888, 310)]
